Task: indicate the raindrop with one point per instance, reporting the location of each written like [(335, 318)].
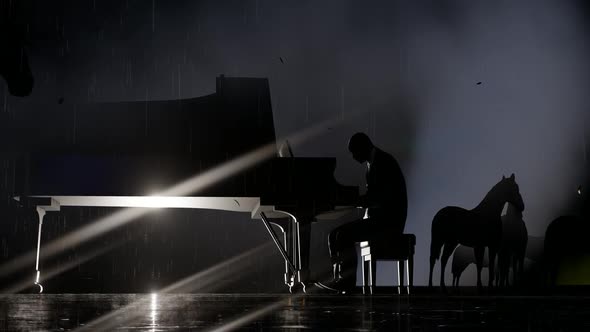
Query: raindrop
[(190, 139), (153, 15), (6, 174), (146, 111), (22, 56), (307, 109), (341, 91), (75, 125), (372, 128)]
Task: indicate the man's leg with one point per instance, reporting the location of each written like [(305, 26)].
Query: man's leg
[(342, 247), (334, 246)]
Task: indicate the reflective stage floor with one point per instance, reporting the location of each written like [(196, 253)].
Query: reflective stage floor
[(225, 312)]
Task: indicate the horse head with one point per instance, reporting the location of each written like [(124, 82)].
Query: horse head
[(511, 192)]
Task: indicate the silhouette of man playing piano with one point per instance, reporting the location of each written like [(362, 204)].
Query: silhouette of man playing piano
[(385, 202)]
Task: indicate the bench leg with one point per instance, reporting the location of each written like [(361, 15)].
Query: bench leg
[(364, 273), (400, 277), (372, 271), (410, 266)]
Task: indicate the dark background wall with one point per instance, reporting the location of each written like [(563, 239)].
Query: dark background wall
[(410, 73)]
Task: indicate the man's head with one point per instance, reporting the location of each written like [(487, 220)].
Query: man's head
[(360, 146)]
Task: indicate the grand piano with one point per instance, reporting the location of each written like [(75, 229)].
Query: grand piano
[(213, 152)]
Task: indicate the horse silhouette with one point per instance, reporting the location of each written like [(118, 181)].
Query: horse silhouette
[(512, 247), (462, 258), (477, 228)]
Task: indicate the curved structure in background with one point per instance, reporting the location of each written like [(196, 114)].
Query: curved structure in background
[(14, 61), (567, 246)]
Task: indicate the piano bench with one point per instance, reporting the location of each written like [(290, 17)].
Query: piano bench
[(396, 250)]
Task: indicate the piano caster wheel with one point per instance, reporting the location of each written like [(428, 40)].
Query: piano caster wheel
[(40, 288), (297, 288)]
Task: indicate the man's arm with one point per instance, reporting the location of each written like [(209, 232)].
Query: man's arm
[(382, 185)]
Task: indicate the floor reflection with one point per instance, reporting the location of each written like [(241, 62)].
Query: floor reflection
[(154, 310), (182, 312)]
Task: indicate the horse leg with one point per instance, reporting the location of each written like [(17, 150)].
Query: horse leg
[(497, 277), (432, 262), (479, 251), (501, 269), (515, 260), (456, 277), (504, 270), (447, 252), (435, 246), (492, 260), (520, 268)]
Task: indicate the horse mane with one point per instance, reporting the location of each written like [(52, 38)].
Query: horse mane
[(492, 195)]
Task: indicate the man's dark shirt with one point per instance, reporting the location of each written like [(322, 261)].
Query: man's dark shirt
[(386, 197)]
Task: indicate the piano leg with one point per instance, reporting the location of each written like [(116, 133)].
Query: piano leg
[(290, 266), (303, 234), (296, 241), (41, 214), (289, 279)]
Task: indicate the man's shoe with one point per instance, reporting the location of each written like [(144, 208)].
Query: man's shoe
[(323, 288), (336, 286)]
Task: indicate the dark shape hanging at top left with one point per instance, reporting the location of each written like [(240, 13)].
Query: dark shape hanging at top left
[(14, 60)]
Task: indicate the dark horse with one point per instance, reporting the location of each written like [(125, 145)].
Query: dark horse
[(477, 228), (513, 246)]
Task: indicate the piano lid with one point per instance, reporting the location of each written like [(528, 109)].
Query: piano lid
[(141, 147), (236, 119)]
